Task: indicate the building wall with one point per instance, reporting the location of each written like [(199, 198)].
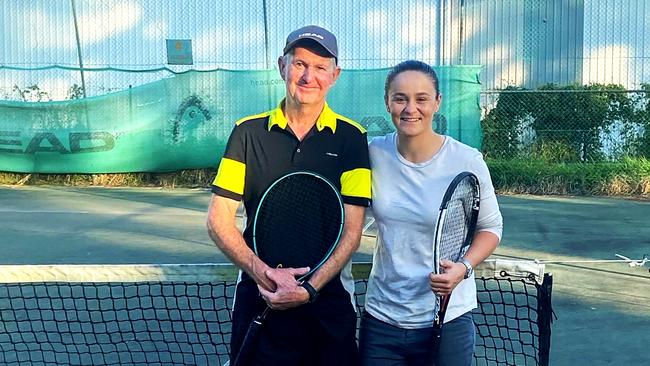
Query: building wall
[(519, 42)]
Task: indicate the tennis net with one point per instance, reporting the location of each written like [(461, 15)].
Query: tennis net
[(180, 314)]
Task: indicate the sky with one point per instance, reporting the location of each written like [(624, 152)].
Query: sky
[(131, 34)]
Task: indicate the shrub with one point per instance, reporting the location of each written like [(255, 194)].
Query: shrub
[(628, 177)]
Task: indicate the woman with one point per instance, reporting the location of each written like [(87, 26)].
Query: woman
[(411, 169)]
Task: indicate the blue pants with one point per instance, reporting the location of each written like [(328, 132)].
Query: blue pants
[(382, 344)]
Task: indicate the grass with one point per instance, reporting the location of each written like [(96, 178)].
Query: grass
[(626, 178), (629, 177), (183, 178)]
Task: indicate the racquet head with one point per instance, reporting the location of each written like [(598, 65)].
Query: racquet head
[(454, 232), (457, 219), (298, 222)]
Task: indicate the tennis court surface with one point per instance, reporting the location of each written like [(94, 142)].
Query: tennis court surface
[(602, 309)]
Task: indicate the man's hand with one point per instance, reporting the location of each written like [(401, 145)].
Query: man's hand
[(259, 274), (288, 292), (452, 274)]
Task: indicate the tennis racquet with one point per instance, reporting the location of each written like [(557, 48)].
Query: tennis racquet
[(454, 233), (298, 223)]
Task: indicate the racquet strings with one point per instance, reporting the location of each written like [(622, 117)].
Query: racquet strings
[(298, 223), (457, 221)]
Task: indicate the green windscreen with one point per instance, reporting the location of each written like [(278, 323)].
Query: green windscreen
[(184, 121)]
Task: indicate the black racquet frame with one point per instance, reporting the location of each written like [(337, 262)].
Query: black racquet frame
[(299, 182), (457, 196)]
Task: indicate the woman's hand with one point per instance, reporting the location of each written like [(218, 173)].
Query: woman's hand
[(445, 282)]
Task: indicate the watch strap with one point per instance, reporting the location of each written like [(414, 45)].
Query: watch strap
[(469, 267), (313, 294)]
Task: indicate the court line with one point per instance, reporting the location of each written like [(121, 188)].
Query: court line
[(130, 213)]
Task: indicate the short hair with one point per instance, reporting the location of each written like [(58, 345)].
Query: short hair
[(411, 65)]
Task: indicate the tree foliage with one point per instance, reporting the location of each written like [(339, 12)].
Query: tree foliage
[(503, 125), (566, 123), (638, 130), (32, 93)]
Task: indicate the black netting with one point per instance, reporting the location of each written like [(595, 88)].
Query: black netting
[(161, 323)]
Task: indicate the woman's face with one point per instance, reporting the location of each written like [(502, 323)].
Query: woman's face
[(412, 101)]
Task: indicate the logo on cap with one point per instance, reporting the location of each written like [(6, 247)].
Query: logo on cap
[(311, 35), (320, 35)]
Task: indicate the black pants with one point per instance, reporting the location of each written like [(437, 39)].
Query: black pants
[(316, 334)]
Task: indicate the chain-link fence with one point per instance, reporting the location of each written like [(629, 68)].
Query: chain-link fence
[(525, 43), (566, 124), (120, 44), (578, 140)]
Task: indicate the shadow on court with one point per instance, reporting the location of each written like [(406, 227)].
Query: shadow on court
[(603, 309)]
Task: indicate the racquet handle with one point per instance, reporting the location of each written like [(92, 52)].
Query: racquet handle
[(437, 336), (444, 303), (243, 356), (437, 324)]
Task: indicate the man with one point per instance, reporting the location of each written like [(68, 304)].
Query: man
[(313, 323)]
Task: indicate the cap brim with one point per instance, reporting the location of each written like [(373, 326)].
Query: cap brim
[(293, 44)]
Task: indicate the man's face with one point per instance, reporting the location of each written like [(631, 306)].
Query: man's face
[(307, 75)]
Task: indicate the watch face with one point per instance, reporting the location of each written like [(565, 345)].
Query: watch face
[(469, 270)]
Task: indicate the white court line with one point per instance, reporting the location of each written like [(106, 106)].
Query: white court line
[(190, 213), (42, 211)]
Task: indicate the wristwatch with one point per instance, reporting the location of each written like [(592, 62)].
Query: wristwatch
[(313, 294), (467, 264)]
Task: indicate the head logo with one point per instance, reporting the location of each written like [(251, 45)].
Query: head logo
[(315, 35), (191, 113)]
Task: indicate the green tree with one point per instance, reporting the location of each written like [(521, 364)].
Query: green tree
[(637, 130), (567, 120), (575, 115), (75, 92), (31, 93), (503, 125)]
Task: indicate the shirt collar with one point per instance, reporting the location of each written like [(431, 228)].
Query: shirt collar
[(327, 118)]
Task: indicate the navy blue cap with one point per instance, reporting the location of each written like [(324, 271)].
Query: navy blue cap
[(320, 35)]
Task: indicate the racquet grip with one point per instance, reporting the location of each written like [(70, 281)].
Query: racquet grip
[(437, 336), (243, 356), (437, 324)]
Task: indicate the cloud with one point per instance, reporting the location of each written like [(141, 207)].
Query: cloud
[(155, 31), (420, 21), (99, 26), (33, 36), (413, 25), (95, 25), (224, 39), (401, 32), (377, 22)]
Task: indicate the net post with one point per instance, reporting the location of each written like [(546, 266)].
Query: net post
[(545, 311)]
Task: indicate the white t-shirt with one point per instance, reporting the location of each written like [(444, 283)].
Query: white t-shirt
[(406, 199)]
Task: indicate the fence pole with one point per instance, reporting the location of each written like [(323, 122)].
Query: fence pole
[(76, 32), (266, 36)]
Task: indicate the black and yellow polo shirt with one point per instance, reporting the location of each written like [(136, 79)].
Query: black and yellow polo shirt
[(262, 148)]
